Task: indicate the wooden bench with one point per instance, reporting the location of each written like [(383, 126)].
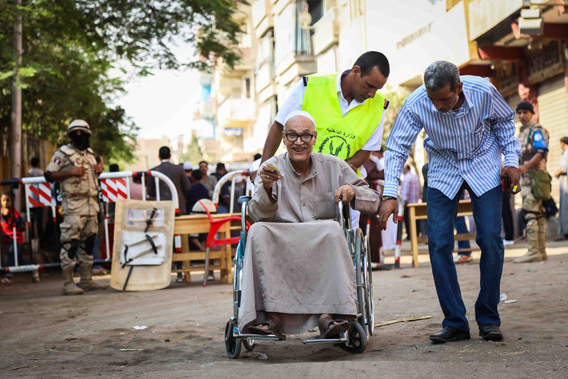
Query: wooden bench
[(192, 224), (417, 211)]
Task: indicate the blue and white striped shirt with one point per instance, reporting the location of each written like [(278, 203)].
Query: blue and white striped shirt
[(463, 145)]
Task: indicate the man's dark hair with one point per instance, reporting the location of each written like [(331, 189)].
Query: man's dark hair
[(113, 167), (35, 161), (220, 166), (7, 193), (165, 152), (196, 175), (441, 73), (407, 167), (372, 59), (564, 140), (203, 162), (257, 156)]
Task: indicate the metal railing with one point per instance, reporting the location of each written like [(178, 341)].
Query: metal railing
[(232, 177)]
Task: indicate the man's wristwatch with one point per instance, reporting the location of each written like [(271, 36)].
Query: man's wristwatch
[(385, 198)]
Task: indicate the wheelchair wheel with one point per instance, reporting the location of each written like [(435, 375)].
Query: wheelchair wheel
[(249, 344), (369, 303), (360, 272), (232, 344), (357, 339)]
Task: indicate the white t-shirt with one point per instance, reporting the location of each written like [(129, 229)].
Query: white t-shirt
[(296, 98)]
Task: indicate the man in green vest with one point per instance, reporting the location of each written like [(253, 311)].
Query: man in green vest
[(347, 109)]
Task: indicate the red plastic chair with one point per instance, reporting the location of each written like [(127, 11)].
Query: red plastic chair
[(212, 241)]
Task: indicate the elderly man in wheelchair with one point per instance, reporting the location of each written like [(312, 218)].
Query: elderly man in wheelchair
[(295, 266)]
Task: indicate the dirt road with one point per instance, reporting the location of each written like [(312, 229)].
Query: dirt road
[(46, 335)]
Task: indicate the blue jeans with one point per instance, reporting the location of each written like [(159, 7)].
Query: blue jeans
[(461, 228), (10, 260), (441, 220)]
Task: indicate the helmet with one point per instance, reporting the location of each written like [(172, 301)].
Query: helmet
[(79, 125)]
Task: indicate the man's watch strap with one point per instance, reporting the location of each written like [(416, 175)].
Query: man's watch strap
[(385, 198)]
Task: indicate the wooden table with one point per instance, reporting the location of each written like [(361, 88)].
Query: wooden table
[(193, 224), (417, 211)]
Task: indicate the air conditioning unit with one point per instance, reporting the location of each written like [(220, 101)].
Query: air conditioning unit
[(531, 22)]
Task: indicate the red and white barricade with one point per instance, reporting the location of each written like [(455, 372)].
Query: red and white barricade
[(114, 189), (114, 186)]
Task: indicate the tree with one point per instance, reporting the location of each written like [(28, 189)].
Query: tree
[(70, 47), (193, 153), (396, 98)]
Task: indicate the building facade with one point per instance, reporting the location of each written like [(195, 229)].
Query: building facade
[(293, 38)]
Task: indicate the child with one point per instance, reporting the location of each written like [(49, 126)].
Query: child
[(7, 225)]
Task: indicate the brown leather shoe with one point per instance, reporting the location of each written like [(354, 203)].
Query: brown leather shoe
[(490, 332)]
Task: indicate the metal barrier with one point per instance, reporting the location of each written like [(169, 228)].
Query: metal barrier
[(231, 176), (112, 186)]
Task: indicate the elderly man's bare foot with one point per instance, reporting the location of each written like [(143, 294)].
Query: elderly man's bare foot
[(270, 326), (330, 328)]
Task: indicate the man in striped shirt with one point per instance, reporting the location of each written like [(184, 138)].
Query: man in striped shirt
[(468, 124)]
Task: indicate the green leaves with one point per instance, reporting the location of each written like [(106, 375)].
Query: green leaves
[(7, 74), (70, 46)]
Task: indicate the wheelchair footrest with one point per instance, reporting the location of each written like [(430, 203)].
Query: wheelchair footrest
[(257, 337), (342, 339)]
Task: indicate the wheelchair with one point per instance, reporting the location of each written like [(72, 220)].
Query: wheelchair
[(355, 339)]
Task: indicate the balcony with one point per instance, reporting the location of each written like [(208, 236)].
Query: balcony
[(326, 31), (236, 113), (206, 108)]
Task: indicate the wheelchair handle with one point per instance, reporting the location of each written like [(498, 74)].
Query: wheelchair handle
[(340, 205)]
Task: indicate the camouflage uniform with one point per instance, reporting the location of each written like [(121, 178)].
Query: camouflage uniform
[(533, 209), (79, 206)]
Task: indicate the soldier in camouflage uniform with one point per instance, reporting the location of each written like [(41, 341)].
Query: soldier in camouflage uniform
[(534, 145), (75, 166)]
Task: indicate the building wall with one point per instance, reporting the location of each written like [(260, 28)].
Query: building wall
[(553, 107), (146, 154), (233, 100)]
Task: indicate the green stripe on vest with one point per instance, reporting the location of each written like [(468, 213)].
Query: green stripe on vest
[(338, 135)]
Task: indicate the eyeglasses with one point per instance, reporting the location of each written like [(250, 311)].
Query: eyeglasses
[(293, 137)]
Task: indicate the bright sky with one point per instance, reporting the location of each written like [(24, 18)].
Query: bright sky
[(164, 104)]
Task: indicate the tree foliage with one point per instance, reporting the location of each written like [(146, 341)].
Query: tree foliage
[(193, 153), (396, 98), (71, 46)]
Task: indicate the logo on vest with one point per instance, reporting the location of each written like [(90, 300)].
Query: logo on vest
[(337, 146)]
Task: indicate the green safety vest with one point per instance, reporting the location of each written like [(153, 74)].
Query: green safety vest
[(338, 135)]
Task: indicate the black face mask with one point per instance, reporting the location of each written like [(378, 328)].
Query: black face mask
[(81, 142)]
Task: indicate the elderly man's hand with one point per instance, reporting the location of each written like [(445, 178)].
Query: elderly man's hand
[(268, 176), (346, 191), (388, 207), (514, 174)]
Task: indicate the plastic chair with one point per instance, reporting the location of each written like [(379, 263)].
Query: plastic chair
[(213, 242)]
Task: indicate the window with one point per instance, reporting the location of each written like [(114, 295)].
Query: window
[(247, 88), (315, 7)]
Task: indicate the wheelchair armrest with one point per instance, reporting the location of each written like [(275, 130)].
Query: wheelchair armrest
[(243, 199)]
